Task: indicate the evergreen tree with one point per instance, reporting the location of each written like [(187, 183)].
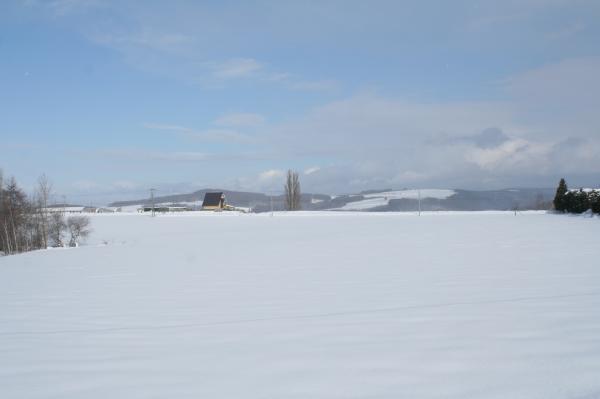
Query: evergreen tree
[(568, 202), (594, 199), (559, 199), (580, 203)]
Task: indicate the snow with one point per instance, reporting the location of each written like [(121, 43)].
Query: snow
[(375, 200), (364, 204), (586, 190), (307, 305), (414, 194)]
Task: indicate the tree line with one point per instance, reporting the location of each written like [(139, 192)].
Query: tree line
[(26, 223), (576, 201)]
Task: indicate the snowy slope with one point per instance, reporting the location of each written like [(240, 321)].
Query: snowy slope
[(365, 204), (414, 194), (376, 200), (307, 305)]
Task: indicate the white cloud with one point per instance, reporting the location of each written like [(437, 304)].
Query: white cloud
[(312, 170), (368, 139), (268, 181), (175, 49), (547, 125), (373, 127), (249, 68), (272, 174), (379, 141), (512, 155), (177, 53)]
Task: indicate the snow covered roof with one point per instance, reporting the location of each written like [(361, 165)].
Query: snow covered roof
[(586, 190)]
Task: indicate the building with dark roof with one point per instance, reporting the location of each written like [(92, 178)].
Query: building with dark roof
[(213, 202)]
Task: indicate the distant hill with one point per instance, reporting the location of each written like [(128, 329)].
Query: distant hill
[(449, 200), (386, 200), (257, 201), (239, 198)]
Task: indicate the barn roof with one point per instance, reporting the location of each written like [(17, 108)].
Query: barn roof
[(212, 199)]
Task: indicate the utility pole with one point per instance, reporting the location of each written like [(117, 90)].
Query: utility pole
[(271, 194), (64, 204), (152, 190), (419, 193)]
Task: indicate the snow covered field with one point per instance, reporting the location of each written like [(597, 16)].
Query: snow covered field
[(308, 305)]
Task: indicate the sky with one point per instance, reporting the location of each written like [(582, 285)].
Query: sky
[(111, 98)]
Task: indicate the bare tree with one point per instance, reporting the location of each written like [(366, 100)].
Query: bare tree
[(26, 223), (292, 191), (3, 244), (14, 219), (78, 228), (44, 190), (56, 229)]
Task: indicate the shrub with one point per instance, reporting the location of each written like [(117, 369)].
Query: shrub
[(78, 228), (56, 229), (579, 202)]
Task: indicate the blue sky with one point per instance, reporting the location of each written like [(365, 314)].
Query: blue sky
[(109, 98)]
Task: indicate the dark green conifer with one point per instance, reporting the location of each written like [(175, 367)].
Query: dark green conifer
[(559, 198), (595, 201)]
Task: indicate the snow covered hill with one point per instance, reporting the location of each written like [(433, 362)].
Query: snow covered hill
[(385, 200), (382, 199), (307, 305)]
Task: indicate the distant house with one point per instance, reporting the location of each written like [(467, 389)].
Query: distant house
[(214, 202)]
